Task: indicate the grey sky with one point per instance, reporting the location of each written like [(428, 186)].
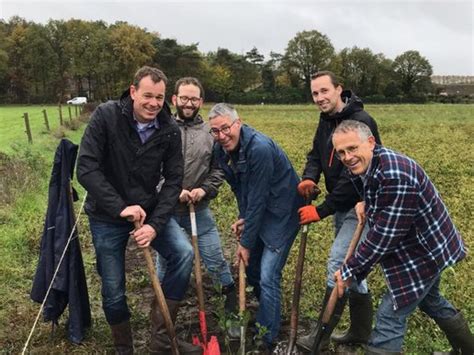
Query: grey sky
[(442, 31)]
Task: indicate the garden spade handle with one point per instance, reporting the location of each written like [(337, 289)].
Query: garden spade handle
[(295, 306), (198, 274), (160, 297), (333, 297), (242, 305)]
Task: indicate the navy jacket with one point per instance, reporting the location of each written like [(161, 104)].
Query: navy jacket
[(264, 183), (70, 285)]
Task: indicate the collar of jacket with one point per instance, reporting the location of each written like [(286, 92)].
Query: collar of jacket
[(352, 104), (197, 120), (126, 104)]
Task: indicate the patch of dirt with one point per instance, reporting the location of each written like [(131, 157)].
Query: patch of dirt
[(188, 320)]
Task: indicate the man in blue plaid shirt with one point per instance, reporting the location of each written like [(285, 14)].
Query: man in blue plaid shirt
[(411, 235)]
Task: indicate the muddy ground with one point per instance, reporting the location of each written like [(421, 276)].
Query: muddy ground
[(188, 321)]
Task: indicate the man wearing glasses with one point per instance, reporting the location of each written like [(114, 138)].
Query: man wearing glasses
[(264, 183), (336, 105), (202, 179), (411, 235)]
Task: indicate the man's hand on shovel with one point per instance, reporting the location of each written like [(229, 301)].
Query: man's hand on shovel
[(238, 228), (243, 254), (144, 235), (341, 284)]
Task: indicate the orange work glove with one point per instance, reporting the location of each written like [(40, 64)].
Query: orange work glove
[(308, 214), (307, 188)]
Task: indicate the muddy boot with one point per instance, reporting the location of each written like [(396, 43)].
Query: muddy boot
[(123, 340), (160, 342), (306, 342), (361, 313), (230, 307), (458, 333)]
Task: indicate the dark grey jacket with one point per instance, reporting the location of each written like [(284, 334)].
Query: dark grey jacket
[(200, 167)]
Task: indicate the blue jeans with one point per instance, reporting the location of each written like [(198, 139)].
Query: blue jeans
[(264, 274), (390, 324), (110, 241), (209, 244), (345, 224)]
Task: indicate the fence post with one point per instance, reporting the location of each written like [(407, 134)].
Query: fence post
[(28, 129), (60, 115), (46, 122), (75, 110), (70, 113)]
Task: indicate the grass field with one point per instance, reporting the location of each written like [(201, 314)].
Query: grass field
[(439, 137)]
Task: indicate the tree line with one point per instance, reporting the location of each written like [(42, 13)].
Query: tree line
[(46, 63)]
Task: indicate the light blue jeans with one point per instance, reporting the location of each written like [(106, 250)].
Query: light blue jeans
[(209, 244), (390, 325), (110, 241), (264, 274), (345, 224)]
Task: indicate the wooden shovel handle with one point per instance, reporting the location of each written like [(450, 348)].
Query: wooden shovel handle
[(241, 286), (160, 297), (333, 297)]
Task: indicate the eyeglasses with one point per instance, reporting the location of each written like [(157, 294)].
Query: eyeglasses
[(341, 154), (225, 130), (186, 99)]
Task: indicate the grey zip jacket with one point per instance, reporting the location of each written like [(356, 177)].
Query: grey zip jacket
[(200, 168)]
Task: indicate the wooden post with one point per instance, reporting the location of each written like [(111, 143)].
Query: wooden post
[(46, 122), (70, 113), (28, 129), (60, 115), (75, 110)]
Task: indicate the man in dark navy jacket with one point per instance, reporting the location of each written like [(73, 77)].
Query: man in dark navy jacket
[(264, 183), (127, 147)]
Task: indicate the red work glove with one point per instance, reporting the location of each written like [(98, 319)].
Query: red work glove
[(308, 214), (307, 188)]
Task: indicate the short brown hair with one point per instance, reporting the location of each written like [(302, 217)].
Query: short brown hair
[(189, 80), (155, 74), (334, 79)]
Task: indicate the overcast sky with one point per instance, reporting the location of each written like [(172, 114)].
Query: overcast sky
[(442, 31)]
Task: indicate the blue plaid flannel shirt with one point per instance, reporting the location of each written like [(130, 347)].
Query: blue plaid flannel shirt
[(411, 234)]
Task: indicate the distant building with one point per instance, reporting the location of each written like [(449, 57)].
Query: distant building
[(447, 85)]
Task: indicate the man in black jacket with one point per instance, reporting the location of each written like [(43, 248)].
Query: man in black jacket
[(128, 145), (336, 105)]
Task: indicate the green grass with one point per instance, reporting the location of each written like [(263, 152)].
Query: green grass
[(438, 136)]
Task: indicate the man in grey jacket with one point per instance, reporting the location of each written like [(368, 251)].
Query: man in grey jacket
[(202, 179)]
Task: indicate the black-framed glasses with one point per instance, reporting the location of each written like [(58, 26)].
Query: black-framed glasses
[(186, 99), (224, 130)]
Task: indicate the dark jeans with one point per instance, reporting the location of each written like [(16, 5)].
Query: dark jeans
[(110, 241)]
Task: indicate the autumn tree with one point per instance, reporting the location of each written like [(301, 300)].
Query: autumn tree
[(307, 53), (413, 71)]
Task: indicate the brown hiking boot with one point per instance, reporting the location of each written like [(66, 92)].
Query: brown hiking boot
[(122, 336), (160, 342)]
